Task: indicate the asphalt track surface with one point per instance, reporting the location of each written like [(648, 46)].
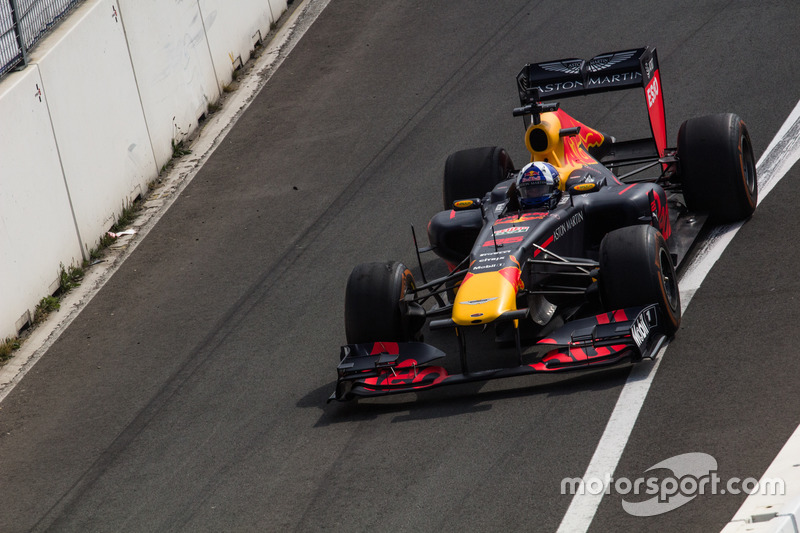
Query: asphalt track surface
[(190, 394)]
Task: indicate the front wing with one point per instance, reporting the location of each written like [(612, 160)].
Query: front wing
[(382, 368)]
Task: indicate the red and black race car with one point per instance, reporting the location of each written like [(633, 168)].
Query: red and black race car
[(589, 274)]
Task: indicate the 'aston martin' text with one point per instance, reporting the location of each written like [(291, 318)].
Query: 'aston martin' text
[(560, 231)]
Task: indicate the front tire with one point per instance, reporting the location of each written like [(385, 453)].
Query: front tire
[(474, 172), (373, 306), (717, 167), (636, 269)]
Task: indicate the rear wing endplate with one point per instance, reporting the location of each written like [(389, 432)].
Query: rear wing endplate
[(625, 69)]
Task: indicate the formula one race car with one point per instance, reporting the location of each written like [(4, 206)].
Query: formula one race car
[(571, 249)]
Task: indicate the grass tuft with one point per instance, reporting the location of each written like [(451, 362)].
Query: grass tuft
[(46, 305), (7, 347), (69, 278), (179, 149), (126, 217)]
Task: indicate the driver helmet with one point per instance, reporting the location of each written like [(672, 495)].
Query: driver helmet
[(538, 185)]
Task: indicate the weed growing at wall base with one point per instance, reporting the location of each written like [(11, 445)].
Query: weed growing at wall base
[(46, 305), (178, 149), (69, 278), (7, 347)]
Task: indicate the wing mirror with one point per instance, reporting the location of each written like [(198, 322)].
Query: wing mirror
[(582, 188), (469, 203), (587, 186)]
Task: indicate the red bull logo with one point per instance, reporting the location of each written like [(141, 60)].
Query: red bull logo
[(575, 146)]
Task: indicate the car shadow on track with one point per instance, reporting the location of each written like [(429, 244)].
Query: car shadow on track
[(483, 352), (457, 399)]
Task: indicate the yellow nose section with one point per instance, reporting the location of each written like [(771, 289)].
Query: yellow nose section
[(483, 297)]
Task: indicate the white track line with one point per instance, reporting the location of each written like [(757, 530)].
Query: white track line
[(786, 465), (762, 508), (782, 153)]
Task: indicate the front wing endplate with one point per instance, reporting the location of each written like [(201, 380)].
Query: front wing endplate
[(382, 368)]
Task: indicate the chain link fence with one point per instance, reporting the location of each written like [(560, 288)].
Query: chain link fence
[(23, 23)]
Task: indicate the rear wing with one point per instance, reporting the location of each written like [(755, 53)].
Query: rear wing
[(614, 71)]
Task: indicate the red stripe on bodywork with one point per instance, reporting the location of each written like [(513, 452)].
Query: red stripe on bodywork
[(545, 245), (619, 316), (575, 357), (602, 319), (504, 240), (626, 189), (413, 379), (578, 354)]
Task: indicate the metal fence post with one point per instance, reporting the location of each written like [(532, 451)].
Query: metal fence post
[(18, 31)]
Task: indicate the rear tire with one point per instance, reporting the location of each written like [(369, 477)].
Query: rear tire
[(717, 167), (373, 311), (636, 269), (474, 172)]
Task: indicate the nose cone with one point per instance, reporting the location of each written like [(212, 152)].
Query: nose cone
[(483, 297)]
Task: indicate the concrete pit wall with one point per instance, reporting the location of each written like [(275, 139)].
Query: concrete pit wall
[(92, 118)]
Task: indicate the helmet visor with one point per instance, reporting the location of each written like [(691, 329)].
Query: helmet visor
[(535, 190)]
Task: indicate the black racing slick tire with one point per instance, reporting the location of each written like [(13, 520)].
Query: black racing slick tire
[(636, 269), (474, 172), (717, 168), (374, 310)]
